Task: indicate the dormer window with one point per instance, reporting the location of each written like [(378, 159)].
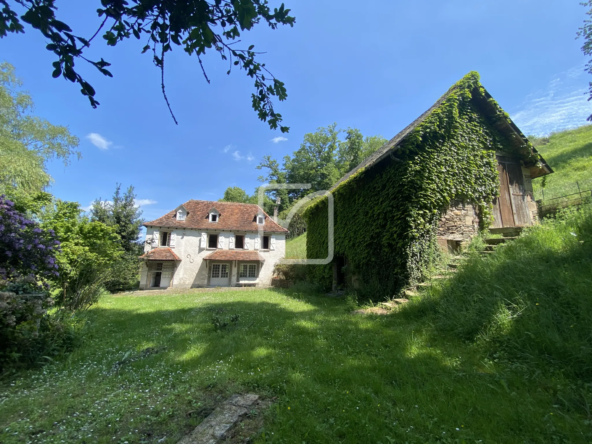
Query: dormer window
[(181, 213), (214, 215), (260, 219)]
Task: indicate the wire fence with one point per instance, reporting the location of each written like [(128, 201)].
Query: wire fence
[(550, 201), (557, 192)]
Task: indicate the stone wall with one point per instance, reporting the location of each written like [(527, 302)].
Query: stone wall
[(460, 222)]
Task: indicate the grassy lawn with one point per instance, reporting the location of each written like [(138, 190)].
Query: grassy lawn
[(296, 247), (332, 376), (570, 155)]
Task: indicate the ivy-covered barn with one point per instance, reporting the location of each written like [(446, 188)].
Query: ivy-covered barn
[(461, 166)]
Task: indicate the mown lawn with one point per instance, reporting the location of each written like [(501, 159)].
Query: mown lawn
[(332, 376)]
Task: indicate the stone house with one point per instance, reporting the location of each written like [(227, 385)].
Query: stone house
[(211, 244), (462, 165)]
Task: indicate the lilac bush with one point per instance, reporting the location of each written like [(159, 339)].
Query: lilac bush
[(26, 251)]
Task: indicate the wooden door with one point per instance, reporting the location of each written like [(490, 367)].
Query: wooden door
[(510, 209)]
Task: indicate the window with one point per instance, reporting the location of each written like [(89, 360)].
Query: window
[(265, 243), (216, 271), (180, 215), (239, 242), (213, 241), (214, 216), (252, 270), (224, 271), (248, 271), (164, 239), (159, 266), (260, 220)]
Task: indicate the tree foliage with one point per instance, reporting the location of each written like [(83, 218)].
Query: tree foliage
[(585, 33), (89, 249), (27, 142), (322, 159), (123, 215), (197, 26)]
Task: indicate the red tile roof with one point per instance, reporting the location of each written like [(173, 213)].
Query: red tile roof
[(160, 254), (233, 216), (234, 255)]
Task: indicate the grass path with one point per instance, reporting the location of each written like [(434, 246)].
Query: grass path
[(333, 377)]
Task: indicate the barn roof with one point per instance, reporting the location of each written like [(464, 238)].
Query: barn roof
[(488, 107)]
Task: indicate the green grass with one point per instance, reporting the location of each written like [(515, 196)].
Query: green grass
[(296, 247), (332, 376), (569, 153)]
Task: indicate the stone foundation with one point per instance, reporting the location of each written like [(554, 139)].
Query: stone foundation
[(459, 223)]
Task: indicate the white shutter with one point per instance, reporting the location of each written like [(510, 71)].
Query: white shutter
[(155, 239), (220, 241), (231, 242), (257, 242), (247, 242), (172, 239), (272, 243), (204, 240)]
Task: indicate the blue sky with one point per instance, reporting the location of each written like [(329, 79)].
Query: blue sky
[(373, 65)]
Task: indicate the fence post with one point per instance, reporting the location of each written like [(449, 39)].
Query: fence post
[(579, 191)]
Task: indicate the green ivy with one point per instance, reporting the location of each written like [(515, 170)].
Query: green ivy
[(386, 216)]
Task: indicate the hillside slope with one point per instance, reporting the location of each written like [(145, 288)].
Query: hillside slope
[(570, 155)]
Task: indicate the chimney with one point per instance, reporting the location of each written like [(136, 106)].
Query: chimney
[(278, 200)]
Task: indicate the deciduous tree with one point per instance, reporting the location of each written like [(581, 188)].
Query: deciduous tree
[(27, 142)]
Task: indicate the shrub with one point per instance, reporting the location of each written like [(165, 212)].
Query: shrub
[(25, 249), (28, 334)]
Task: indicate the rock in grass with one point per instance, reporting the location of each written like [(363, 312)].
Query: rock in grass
[(216, 426)]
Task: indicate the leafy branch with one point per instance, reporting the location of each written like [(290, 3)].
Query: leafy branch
[(195, 25)]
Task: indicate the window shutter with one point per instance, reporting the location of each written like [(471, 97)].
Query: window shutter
[(272, 243), (247, 242), (172, 239), (220, 241), (204, 240), (155, 239), (257, 242), (231, 242)]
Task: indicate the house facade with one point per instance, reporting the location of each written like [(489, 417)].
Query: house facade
[(211, 244)]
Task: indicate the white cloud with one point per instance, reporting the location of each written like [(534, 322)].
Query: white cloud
[(99, 141), (227, 148), (238, 156), (279, 139), (561, 105), (143, 202)]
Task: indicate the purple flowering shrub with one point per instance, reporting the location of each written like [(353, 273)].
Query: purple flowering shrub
[(26, 251), (27, 262)]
